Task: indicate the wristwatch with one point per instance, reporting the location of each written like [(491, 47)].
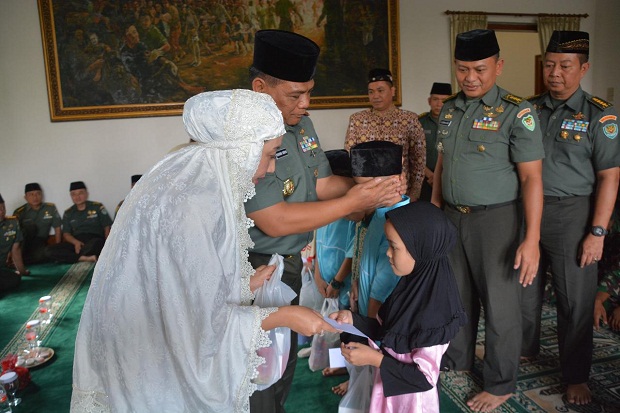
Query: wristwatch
[(336, 285), (598, 231)]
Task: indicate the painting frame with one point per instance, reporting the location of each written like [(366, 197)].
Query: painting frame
[(323, 97)]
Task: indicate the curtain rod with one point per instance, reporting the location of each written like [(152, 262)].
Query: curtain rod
[(517, 14)]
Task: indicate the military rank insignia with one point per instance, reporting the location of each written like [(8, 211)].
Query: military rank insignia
[(281, 153), (576, 125), (308, 143), (486, 123), (611, 130)]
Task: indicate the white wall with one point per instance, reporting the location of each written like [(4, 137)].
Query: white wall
[(105, 153)]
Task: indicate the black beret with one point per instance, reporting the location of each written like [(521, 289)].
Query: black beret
[(33, 186), (339, 161), (285, 55), (376, 158), (135, 178), (441, 89), (564, 41), (475, 45), (376, 75), (77, 185)]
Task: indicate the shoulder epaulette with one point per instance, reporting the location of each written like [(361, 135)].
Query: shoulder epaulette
[(515, 100), (422, 115), (96, 203), (10, 217), (533, 97), (67, 210), (452, 96), (50, 204), (20, 209), (600, 103)]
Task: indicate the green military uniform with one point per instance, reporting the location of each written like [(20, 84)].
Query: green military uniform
[(36, 225), (429, 124), (10, 233), (87, 226), (580, 137), (481, 140), (289, 183)]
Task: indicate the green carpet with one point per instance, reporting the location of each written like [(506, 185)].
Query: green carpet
[(50, 389)]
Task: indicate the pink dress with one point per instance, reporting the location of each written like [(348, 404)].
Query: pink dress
[(428, 360)]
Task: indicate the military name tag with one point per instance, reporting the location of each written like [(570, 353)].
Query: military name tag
[(486, 123), (308, 143), (444, 122), (281, 153), (576, 125)]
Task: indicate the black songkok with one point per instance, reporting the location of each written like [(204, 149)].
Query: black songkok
[(1, 200), (475, 45), (33, 186), (135, 178), (339, 161), (564, 41), (376, 75), (77, 185), (376, 158), (441, 89), (285, 55)]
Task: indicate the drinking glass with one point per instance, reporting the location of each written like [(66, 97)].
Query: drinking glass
[(32, 337), (45, 309), (10, 381)]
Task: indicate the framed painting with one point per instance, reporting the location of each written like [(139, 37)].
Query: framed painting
[(136, 58)]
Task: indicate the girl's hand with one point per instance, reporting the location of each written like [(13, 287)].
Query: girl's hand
[(359, 354), (342, 317)]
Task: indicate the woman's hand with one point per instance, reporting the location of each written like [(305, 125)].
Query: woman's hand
[(361, 355), (342, 317), (301, 319), (261, 274)]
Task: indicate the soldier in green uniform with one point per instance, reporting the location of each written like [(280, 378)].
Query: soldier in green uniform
[(301, 195), (488, 175), (430, 121), (36, 218), (85, 227), (10, 238), (580, 178)]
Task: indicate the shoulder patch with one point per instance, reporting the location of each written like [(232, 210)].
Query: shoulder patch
[(452, 96), (515, 100), (600, 103)]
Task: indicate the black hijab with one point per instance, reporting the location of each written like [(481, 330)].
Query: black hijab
[(425, 308)]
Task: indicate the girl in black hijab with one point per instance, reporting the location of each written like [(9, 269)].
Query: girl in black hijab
[(418, 319)]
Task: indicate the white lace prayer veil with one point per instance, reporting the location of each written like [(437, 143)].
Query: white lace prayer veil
[(167, 324)]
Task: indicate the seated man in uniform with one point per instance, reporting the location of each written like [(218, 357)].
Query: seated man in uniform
[(85, 225), (10, 237), (36, 218)]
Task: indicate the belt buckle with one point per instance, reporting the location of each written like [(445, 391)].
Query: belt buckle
[(463, 209)]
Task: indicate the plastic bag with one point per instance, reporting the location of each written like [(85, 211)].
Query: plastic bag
[(319, 350), (357, 398), (274, 293), (309, 296)]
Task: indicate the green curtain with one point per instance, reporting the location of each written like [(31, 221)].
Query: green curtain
[(547, 24)]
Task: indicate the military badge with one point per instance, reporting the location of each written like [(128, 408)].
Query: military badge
[(448, 116), (316, 173), (486, 123), (564, 134), (611, 130), (607, 117), (576, 125), (308, 143), (577, 138), (523, 112), (440, 147), (289, 187), (481, 148), (529, 122), (579, 116)]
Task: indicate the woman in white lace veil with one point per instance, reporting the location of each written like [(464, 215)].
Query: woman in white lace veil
[(167, 325)]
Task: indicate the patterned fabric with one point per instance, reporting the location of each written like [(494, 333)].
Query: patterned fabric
[(398, 126), (167, 325)]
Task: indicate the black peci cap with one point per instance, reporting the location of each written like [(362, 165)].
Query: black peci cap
[(475, 45), (33, 186), (77, 185), (339, 161), (376, 158), (285, 55), (135, 178), (376, 75), (565, 41), (441, 89)]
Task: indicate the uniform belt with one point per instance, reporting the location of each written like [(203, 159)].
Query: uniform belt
[(550, 198), (285, 256), (464, 209)]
